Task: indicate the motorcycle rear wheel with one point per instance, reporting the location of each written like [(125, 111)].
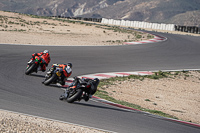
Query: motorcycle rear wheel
[(50, 80), (73, 97), (30, 69)]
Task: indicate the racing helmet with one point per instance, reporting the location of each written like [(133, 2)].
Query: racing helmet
[(69, 64), (96, 80), (46, 51), (68, 68)]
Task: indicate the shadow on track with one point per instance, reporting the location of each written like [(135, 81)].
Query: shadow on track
[(56, 86), (37, 75), (103, 107)]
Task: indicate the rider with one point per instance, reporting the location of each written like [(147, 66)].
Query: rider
[(93, 87), (66, 69), (45, 59)]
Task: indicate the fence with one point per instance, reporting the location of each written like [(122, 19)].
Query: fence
[(154, 26), (80, 18), (142, 25)]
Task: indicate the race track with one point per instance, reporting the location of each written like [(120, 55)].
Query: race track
[(26, 94)]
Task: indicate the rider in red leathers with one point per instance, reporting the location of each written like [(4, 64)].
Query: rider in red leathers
[(45, 59)]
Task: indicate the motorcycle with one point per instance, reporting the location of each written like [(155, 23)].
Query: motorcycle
[(54, 75), (33, 65), (80, 89)]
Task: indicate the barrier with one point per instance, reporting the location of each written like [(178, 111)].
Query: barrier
[(138, 24), (123, 23), (163, 26), (156, 26), (145, 24), (110, 21), (189, 29), (128, 23), (115, 22), (149, 25)]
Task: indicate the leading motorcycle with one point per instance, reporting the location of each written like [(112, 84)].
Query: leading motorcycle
[(80, 89), (33, 65)]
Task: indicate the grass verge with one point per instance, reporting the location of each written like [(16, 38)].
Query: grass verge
[(156, 75)]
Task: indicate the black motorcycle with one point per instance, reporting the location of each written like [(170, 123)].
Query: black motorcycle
[(80, 89), (54, 75)]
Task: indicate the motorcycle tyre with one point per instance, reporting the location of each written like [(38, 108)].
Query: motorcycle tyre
[(30, 69), (74, 97), (50, 80)]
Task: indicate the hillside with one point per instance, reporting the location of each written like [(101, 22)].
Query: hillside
[(154, 11), (162, 11), (183, 19)]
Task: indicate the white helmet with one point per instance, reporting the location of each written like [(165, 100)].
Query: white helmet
[(46, 51), (68, 69)]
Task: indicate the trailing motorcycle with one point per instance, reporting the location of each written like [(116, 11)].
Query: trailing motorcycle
[(54, 75), (33, 65), (80, 89)]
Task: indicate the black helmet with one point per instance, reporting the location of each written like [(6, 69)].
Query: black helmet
[(69, 64), (96, 80)]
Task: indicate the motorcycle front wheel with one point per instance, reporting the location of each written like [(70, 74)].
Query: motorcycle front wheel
[(30, 69), (50, 80), (74, 95)]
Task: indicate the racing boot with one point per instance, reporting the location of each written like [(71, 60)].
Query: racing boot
[(86, 97), (64, 96), (62, 82), (66, 93), (61, 97)]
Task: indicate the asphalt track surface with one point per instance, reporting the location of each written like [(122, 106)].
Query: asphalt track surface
[(26, 94)]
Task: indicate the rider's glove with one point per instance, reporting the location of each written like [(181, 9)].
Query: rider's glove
[(59, 69), (55, 65), (33, 55)]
